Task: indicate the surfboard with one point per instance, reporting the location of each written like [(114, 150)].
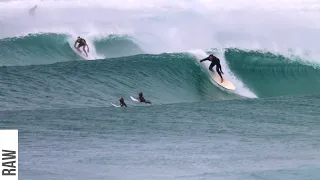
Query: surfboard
[(80, 53), (225, 84), (134, 99), (115, 105)]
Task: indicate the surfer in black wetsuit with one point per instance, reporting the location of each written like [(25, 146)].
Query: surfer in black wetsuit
[(83, 43), (122, 102), (214, 61), (141, 99)]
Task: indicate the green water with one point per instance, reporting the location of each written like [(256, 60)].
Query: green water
[(194, 130)]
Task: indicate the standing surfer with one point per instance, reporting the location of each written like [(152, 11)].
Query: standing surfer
[(214, 61), (83, 43)]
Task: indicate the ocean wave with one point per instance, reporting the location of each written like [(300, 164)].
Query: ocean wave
[(268, 74), (48, 48), (164, 78)]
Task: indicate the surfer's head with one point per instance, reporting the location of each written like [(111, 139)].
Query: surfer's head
[(140, 94), (210, 57)]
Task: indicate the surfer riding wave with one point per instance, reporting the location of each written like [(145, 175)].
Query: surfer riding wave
[(214, 62), (82, 43)]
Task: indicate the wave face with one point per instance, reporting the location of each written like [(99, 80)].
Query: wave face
[(154, 47), (267, 74), (164, 78), (117, 46), (48, 48), (36, 49)]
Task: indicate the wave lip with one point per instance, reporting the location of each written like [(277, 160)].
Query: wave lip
[(117, 46)]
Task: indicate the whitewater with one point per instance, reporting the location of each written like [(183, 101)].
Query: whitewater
[(268, 128)]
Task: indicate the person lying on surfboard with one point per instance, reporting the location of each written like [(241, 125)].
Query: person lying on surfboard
[(122, 102), (141, 99), (214, 61), (83, 43)]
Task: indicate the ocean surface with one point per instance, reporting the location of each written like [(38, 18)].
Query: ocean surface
[(267, 129)]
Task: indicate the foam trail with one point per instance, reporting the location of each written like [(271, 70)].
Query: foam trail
[(240, 87)]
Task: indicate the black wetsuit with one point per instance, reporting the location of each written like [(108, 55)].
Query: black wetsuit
[(215, 61), (81, 42), (122, 103), (141, 99)]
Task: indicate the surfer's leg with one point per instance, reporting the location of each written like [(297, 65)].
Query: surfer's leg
[(123, 104), (211, 66), (84, 50), (78, 48), (218, 71)]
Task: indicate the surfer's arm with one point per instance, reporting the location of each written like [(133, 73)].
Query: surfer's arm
[(88, 47), (205, 59), (75, 43)]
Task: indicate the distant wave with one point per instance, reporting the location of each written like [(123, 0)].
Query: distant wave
[(48, 48), (42, 70), (36, 49)]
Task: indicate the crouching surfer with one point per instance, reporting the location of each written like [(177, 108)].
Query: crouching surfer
[(82, 43), (214, 61)]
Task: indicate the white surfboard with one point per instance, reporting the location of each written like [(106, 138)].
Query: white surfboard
[(80, 54), (225, 84), (134, 99), (115, 105)]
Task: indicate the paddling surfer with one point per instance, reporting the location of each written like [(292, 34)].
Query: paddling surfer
[(141, 99)]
